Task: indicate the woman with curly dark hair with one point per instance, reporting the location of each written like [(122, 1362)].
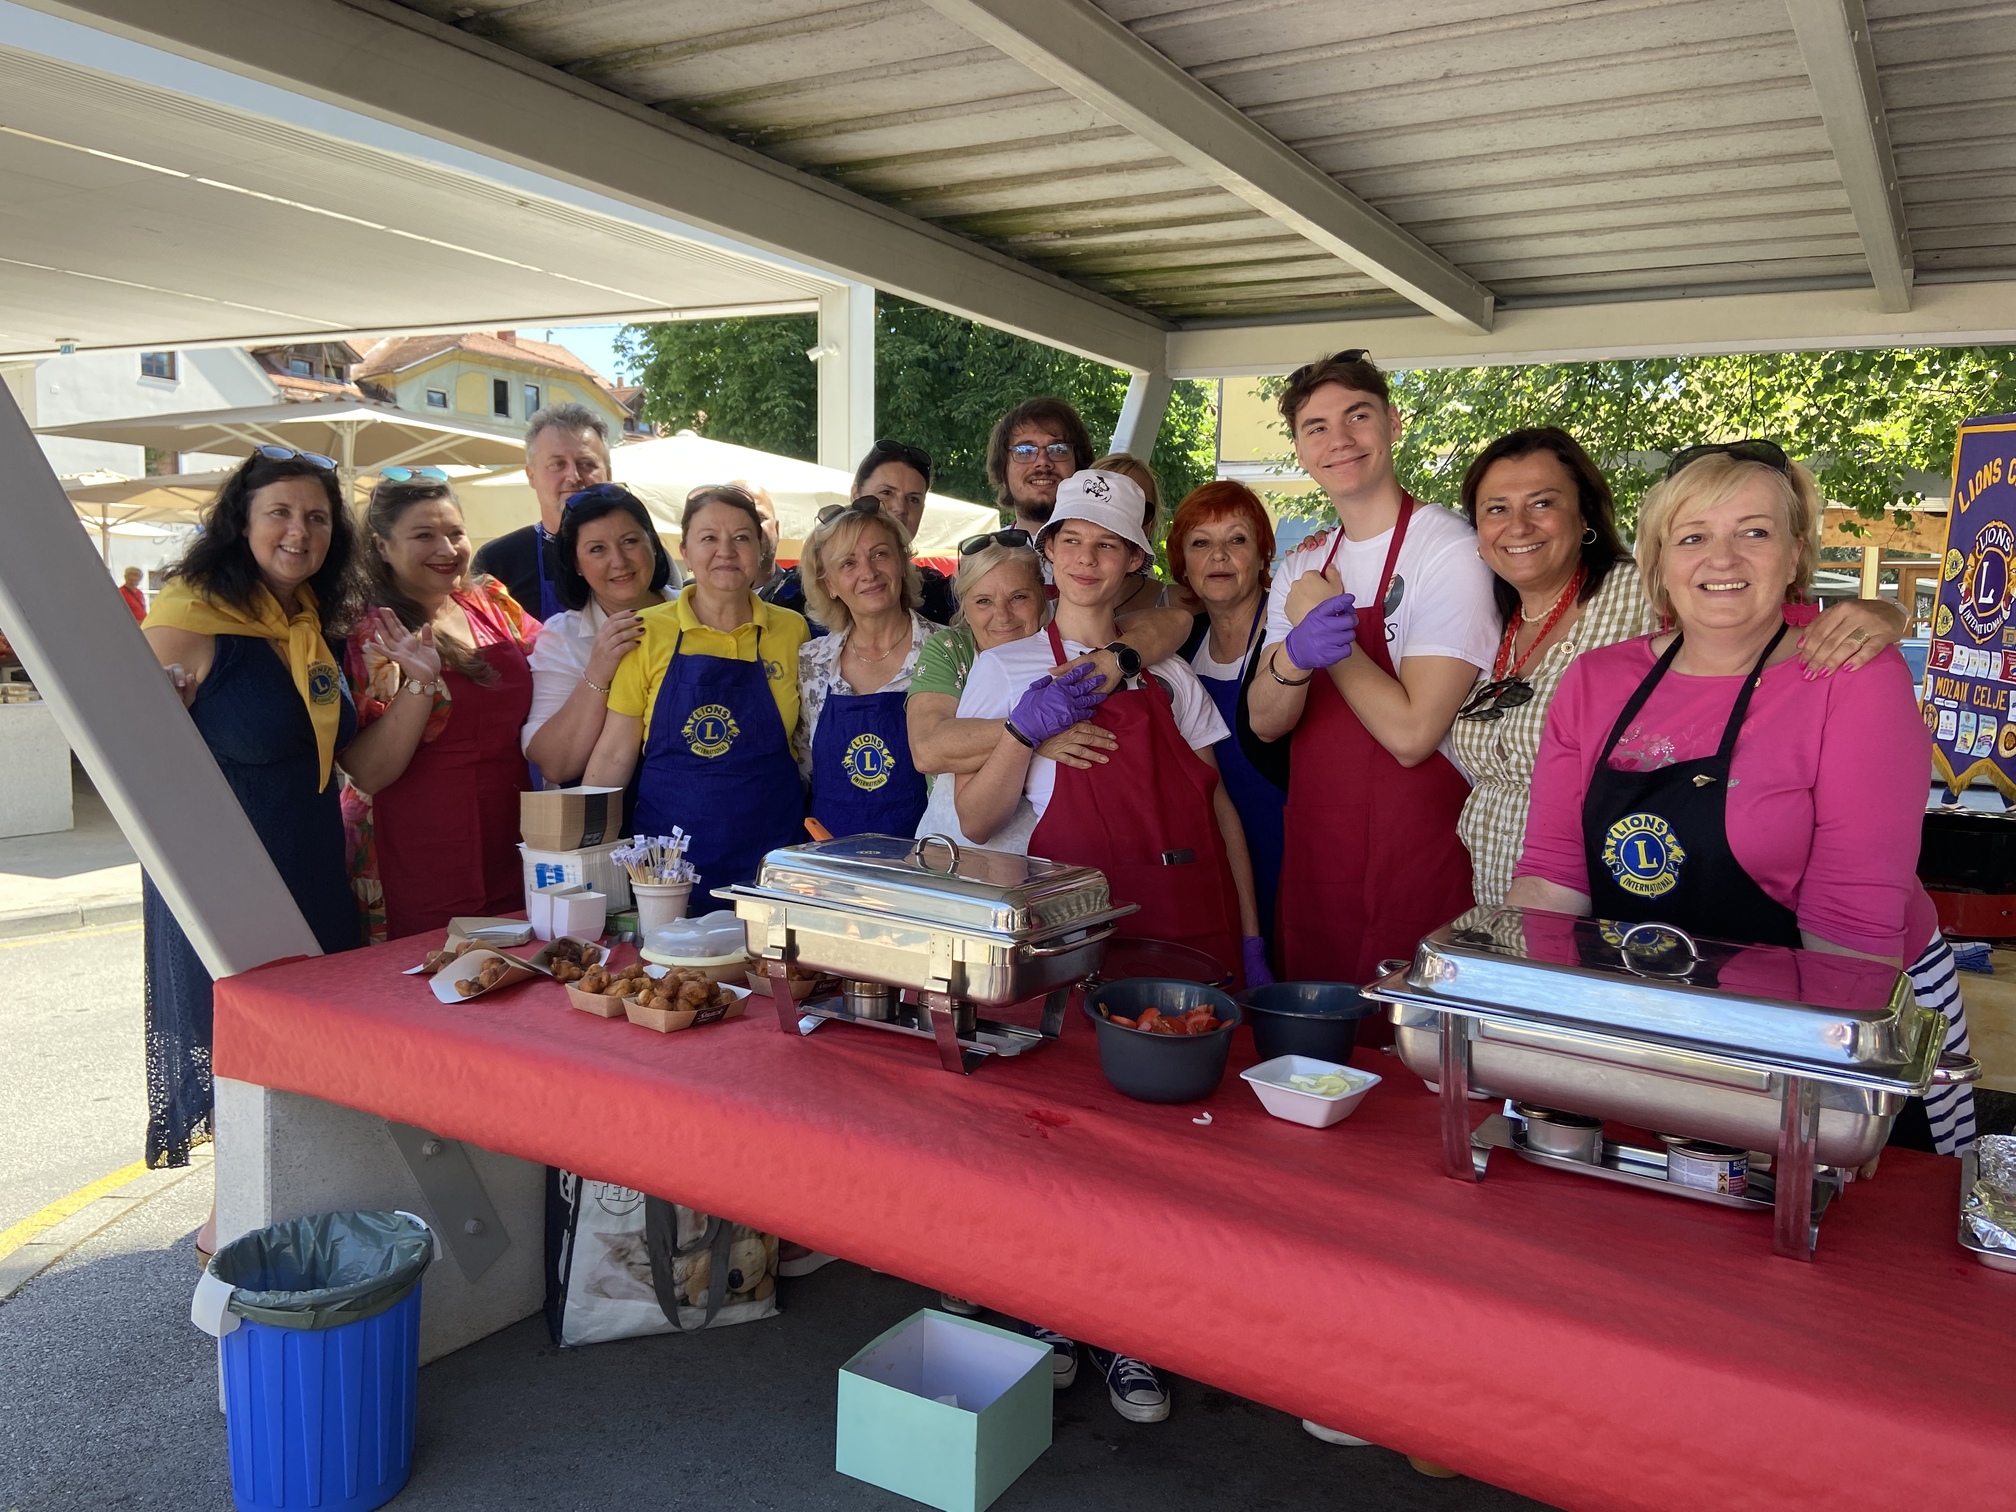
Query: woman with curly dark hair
[(244, 626)]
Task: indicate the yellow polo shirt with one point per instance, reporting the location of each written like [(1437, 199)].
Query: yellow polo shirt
[(779, 631)]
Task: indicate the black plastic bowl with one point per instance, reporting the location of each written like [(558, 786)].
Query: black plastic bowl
[(1161, 1068), (1316, 1019)]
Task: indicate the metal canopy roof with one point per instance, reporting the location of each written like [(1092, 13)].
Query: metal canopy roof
[(1189, 186), (128, 208)]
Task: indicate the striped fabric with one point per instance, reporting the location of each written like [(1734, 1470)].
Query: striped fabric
[(1935, 979)]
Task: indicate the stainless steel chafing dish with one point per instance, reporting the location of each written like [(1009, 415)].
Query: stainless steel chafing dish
[(1806, 1055), (924, 932)]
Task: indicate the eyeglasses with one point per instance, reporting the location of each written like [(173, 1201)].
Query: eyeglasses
[(1770, 453), (288, 454), (614, 493), (898, 451), (1056, 451), (408, 474), (1496, 699), (867, 504), (1352, 354), (1013, 536)]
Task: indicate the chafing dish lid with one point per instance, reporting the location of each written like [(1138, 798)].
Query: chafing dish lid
[(1652, 981), (934, 882)]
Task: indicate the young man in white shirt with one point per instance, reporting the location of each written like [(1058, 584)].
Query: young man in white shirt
[(1375, 635)]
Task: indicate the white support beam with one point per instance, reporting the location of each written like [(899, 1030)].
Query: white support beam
[(846, 359), (1834, 42), (64, 616), (1086, 53), (1942, 314), (394, 64), (1141, 414)]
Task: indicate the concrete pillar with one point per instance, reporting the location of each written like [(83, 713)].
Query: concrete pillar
[(846, 360), (1141, 414)]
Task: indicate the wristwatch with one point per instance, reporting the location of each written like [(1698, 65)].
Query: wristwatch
[(1129, 658), (414, 685)]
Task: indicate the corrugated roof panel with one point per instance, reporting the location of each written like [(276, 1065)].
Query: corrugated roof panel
[(1587, 148)]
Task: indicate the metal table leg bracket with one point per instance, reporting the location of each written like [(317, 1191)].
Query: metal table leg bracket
[(465, 1219)]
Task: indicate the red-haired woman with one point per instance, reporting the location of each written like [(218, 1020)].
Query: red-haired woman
[(1220, 544)]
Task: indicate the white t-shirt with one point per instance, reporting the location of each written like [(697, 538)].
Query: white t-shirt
[(1445, 606), (559, 661), (1000, 677), (1203, 665)]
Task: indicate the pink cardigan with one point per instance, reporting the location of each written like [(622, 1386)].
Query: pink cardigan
[(1827, 786)]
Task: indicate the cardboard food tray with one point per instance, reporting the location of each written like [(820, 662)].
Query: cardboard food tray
[(488, 931), (469, 965), (601, 1004), (669, 1021)]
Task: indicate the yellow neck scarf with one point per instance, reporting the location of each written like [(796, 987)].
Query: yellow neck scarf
[(181, 607)]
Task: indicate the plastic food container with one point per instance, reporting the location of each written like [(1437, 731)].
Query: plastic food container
[(715, 943), (1269, 1081), (1316, 1019), (1162, 1068)]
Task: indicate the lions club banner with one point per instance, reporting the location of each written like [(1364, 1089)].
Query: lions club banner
[(1972, 665)]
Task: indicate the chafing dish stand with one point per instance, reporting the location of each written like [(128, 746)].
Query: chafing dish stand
[(1807, 1054), (987, 929)]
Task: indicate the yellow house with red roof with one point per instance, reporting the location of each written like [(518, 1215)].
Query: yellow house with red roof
[(496, 376)]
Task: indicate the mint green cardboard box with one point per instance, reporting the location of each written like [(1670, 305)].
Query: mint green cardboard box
[(898, 1430)]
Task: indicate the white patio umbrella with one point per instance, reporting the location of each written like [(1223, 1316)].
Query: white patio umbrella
[(662, 472), (129, 506), (358, 436)]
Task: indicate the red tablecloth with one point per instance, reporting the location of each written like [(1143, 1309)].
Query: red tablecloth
[(1591, 1346)]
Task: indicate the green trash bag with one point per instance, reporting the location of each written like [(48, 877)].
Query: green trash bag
[(325, 1270)]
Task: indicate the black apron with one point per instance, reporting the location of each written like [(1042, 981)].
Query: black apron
[(1657, 843)]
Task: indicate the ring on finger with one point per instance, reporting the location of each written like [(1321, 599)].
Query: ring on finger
[(1858, 636)]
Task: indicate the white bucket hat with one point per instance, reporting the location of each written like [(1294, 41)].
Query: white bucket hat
[(1108, 499)]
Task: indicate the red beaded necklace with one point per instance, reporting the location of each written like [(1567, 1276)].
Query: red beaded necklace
[(1499, 670)]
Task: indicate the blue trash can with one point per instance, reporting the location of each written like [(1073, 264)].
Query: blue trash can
[(318, 1324)]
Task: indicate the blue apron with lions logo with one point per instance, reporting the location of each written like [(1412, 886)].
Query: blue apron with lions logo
[(718, 764), (1657, 842), (862, 779)]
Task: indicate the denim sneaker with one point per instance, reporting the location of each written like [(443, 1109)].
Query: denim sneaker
[(1063, 1354), (1136, 1392)]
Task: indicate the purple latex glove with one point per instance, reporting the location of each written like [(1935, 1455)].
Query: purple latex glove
[(1253, 954), (1054, 704), (1325, 635)]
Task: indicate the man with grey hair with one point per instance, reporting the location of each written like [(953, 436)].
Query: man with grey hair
[(566, 450)]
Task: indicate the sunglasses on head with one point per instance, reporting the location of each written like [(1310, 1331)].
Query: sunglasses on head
[(288, 454), (596, 492), (1496, 699), (898, 451), (408, 474), (1012, 536), (1353, 354), (1770, 453), (1056, 451), (867, 504)]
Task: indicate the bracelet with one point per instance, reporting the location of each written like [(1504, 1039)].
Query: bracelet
[(414, 685), (1286, 682), (596, 686), (1010, 724)]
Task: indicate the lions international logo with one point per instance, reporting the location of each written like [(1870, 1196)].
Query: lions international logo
[(322, 683), (710, 730), (1953, 564), (868, 762), (1986, 584), (1942, 622), (1643, 854), (2006, 742)]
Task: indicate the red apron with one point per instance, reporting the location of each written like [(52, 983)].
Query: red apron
[(1146, 819), (447, 830), (1371, 861)]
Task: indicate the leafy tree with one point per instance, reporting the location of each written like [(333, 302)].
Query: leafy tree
[(940, 383), (1877, 427)]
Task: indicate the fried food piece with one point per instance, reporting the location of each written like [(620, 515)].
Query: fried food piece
[(567, 971), (436, 959), (563, 950), (463, 947), (595, 979), (694, 994), (468, 987)]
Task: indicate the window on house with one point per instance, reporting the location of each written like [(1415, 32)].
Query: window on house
[(531, 400), (500, 396), (300, 367), (437, 398), (157, 365)]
